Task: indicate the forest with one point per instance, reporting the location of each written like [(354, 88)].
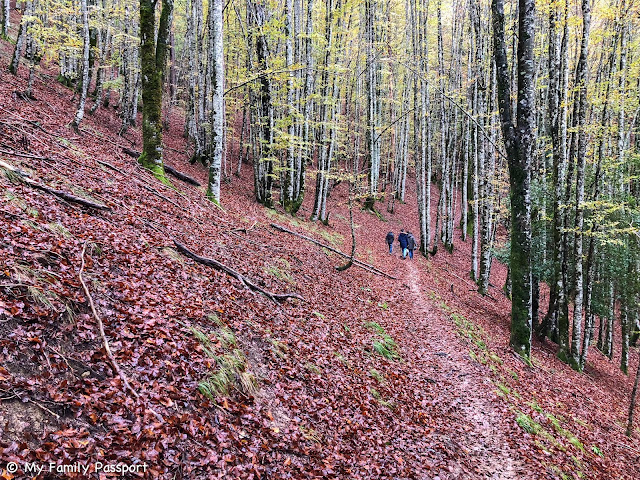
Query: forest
[(195, 197)]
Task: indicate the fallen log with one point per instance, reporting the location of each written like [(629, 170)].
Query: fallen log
[(359, 263), (58, 193), (181, 176), (170, 170), (210, 262)]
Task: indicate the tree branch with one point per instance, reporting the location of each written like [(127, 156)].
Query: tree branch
[(170, 170), (58, 193), (105, 343), (361, 264), (210, 262)]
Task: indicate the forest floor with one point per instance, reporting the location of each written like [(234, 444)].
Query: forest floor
[(463, 387), (367, 377)]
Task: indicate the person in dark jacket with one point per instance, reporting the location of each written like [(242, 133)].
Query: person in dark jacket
[(390, 238), (411, 244), (403, 240)]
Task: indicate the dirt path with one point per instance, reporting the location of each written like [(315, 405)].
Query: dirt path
[(465, 393)]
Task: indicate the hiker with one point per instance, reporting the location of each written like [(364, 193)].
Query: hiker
[(390, 238), (411, 244), (402, 239)]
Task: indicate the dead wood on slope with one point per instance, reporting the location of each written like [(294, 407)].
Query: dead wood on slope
[(170, 170), (359, 263), (45, 188), (209, 262)]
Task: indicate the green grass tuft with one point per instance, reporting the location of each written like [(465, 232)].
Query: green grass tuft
[(375, 326), (376, 375), (528, 424)]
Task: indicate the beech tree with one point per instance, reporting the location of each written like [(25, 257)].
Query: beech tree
[(153, 58), (217, 102), (6, 18), (85, 66), (518, 140)]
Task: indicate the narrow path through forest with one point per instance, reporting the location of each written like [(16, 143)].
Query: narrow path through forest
[(466, 395)]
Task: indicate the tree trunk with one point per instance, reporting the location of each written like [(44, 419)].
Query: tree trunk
[(581, 81), (632, 403), (263, 162), (557, 118), (519, 140), (373, 108), (85, 66), (6, 18), (22, 34), (217, 102), (153, 57)]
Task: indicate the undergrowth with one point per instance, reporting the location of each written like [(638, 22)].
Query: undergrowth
[(230, 371), (385, 345), (550, 432)]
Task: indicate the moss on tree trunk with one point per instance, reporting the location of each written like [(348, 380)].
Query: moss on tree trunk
[(152, 62)]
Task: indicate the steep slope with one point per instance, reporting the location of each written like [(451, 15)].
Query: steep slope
[(367, 377)]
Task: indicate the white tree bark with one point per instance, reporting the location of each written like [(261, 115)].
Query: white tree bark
[(217, 101), (581, 82), (85, 65), (6, 18)]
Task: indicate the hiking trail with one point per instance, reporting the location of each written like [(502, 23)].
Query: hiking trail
[(466, 394)]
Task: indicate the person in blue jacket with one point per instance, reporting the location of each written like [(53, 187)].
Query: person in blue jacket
[(404, 242), (390, 238)]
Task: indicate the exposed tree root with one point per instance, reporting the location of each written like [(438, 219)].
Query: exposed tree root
[(58, 193), (209, 262), (167, 168), (359, 263)]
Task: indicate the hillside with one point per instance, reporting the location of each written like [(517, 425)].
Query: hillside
[(365, 377)]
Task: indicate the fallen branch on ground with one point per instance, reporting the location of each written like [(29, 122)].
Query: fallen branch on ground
[(170, 170), (361, 264), (245, 229), (58, 193), (105, 343), (209, 262), (25, 155)]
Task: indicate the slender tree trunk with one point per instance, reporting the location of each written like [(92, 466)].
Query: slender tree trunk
[(421, 122), (464, 203), (217, 103), (478, 139), (487, 227), (632, 403), (557, 120), (20, 41), (263, 163), (34, 58), (289, 172), (373, 121), (6, 18), (85, 66), (103, 47), (125, 102), (624, 330)]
